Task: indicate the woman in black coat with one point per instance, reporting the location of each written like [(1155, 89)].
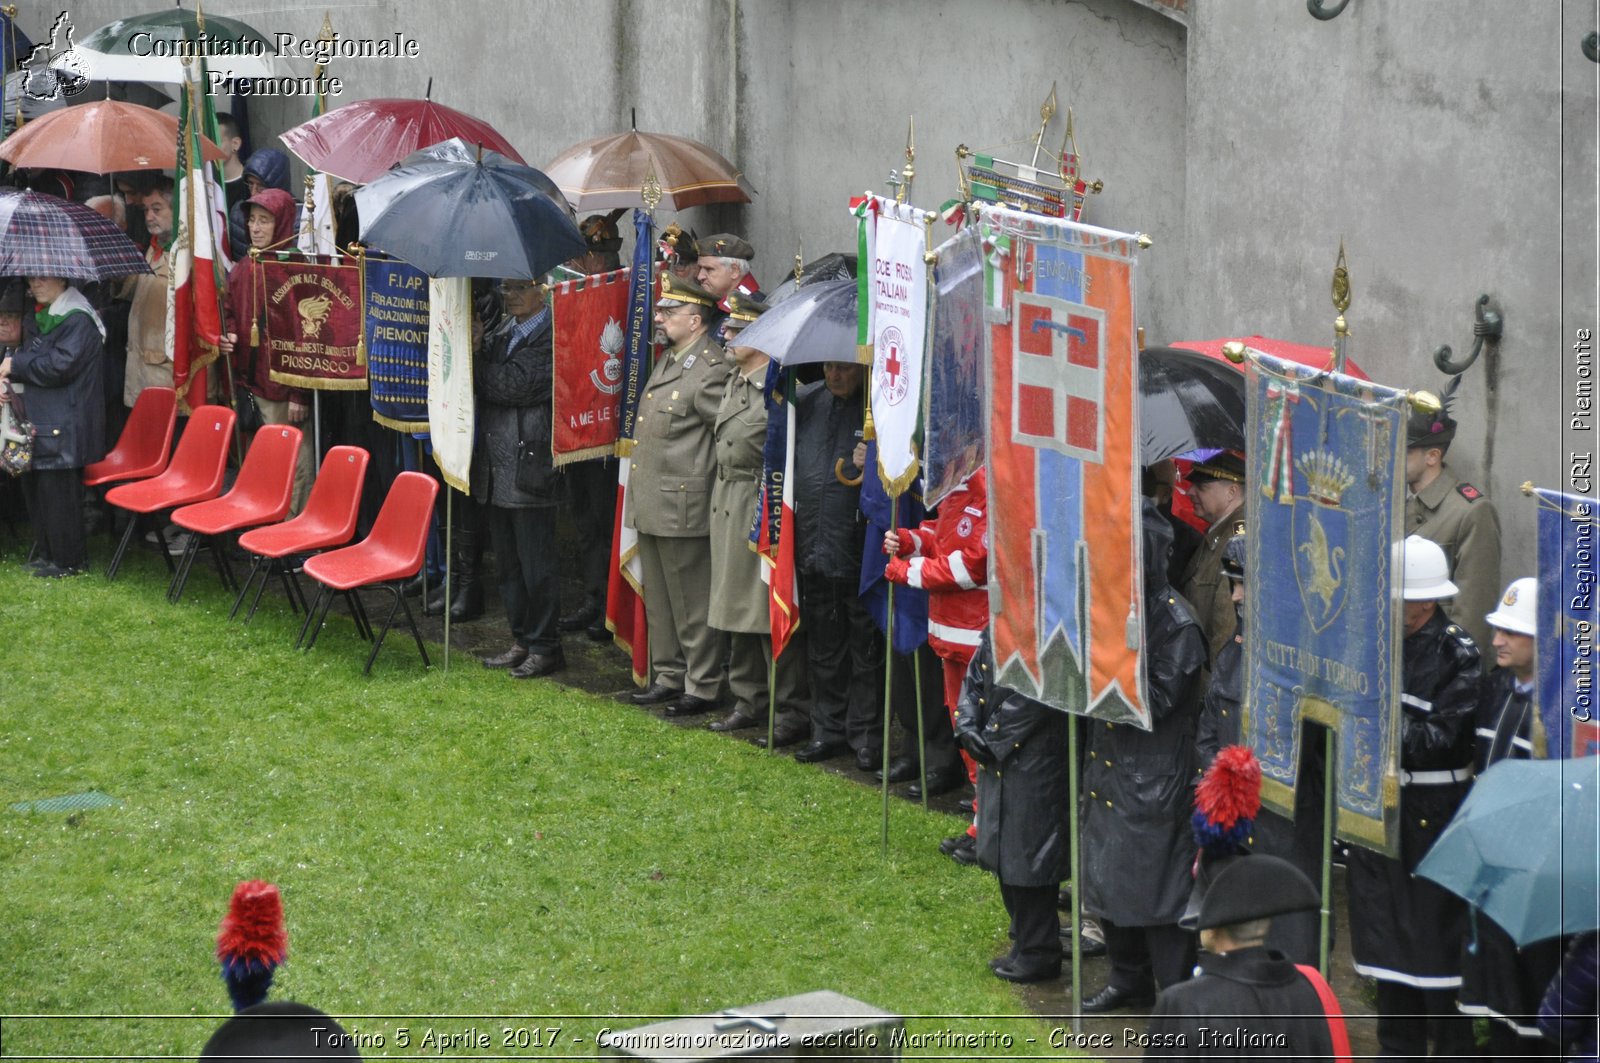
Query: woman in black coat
[(60, 369)]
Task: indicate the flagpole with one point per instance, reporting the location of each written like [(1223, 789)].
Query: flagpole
[(929, 259), (1074, 804), (888, 678), (449, 565)]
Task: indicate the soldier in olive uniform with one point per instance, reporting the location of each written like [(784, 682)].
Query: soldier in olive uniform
[(1217, 488), (669, 503), (1444, 509), (738, 595)]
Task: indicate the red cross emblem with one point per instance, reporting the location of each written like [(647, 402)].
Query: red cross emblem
[(892, 383)]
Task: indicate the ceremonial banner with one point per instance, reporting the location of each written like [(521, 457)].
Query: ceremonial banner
[(1566, 617), (897, 322), (450, 406), (625, 588), (1065, 587), (588, 337), (313, 334), (317, 224), (774, 529), (910, 603), (953, 411), (396, 334), (1325, 491)]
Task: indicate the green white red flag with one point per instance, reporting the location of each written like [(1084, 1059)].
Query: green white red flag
[(199, 247)]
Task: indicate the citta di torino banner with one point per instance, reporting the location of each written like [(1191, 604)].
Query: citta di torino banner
[(588, 338), (313, 314), (1065, 588), (1325, 494)]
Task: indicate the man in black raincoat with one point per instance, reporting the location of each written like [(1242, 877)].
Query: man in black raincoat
[(1024, 817), (1138, 847), (1406, 931)]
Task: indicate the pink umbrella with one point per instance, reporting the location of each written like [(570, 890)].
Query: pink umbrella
[(360, 141)]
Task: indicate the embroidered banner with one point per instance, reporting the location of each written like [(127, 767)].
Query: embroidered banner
[(313, 316), (590, 339), (450, 405), (953, 411), (1065, 590), (897, 314), (1566, 619), (1325, 493), (397, 344)]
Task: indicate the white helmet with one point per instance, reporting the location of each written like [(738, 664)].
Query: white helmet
[(1427, 573), (1517, 612)]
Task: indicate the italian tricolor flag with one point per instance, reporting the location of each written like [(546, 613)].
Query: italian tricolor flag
[(199, 248)]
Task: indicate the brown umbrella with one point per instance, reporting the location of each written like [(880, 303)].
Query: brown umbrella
[(609, 172), (103, 137)]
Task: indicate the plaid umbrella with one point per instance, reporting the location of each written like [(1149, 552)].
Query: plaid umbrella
[(45, 236)]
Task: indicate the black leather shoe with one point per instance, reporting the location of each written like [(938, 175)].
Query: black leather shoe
[(867, 759), (598, 632), (899, 771), (1002, 961), (786, 733), (1113, 999), (689, 705), (965, 805), (939, 782), (579, 618), (819, 749), (1087, 946), (53, 571), (1014, 971), (654, 694), (538, 664), (509, 659), (952, 843), (737, 720), (966, 851)]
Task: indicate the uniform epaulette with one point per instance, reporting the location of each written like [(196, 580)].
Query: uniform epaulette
[(1459, 633), (1468, 492)]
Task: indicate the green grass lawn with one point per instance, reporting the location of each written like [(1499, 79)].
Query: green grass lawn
[(446, 844)]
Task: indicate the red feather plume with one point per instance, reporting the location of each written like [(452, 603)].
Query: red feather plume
[(253, 928), (1230, 790)]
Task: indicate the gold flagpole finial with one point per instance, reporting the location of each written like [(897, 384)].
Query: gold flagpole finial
[(1047, 111), (799, 259), (908, 172), (650, 190), (1341, 290), (327, 28)]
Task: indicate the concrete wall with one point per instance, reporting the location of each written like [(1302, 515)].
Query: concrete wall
[(1451, 145)]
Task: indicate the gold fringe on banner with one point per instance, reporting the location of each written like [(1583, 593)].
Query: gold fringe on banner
[(399, 426)]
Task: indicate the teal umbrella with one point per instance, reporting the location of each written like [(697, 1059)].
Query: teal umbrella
[(1522, 848)]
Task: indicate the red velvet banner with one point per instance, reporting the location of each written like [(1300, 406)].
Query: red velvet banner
[(589, 332), (313, 313)]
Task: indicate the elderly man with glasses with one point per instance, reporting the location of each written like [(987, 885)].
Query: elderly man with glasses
[(511, 472)]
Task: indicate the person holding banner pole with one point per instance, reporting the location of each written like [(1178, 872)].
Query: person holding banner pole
[(1406, 931)]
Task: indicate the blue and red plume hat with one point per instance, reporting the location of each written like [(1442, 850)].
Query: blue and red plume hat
[(1226, 802), (252, 942)]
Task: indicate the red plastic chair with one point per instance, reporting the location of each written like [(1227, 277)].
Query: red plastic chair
[(194, 475), (329, 519), (391, 553), (261, 494), (144, 444)]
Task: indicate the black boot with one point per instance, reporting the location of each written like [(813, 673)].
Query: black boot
[(466, 602)]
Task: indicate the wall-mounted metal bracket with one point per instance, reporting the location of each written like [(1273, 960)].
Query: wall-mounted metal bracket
[(1487, 326)]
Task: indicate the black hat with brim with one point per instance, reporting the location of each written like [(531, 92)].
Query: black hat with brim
[(280, 1031), (1255, 887)]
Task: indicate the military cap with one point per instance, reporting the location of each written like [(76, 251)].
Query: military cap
[(743, 309), (1425, 429), (280, 1030), (1255, 887), (14, 298), (1226, 467), (600, 232), (726, 245), (675, 291), (679, 243), (1233, 553)]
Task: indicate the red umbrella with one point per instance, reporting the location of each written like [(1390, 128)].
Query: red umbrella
[(102, 137), (359, 141)]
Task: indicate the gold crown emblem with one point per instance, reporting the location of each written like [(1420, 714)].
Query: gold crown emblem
[(1327, 476)]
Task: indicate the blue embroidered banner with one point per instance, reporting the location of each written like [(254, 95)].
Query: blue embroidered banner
[(1566, 617), (396, 332), (1324, 491), (952, 415)]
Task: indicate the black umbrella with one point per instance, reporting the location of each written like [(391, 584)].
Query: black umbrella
[(1188, 402), (830, 267), (458, 211)]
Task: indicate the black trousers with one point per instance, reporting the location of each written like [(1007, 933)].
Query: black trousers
[(938, 739), (529, 574), (1145, 958), (1035, 925), (1408, 1017), (592, 491), (54, 498), (845, 660)]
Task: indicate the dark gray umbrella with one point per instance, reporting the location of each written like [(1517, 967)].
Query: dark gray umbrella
[(815, 324), (1188, 401), (457, 211), (830, 267)]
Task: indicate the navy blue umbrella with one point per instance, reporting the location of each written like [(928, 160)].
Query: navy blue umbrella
[(453, 210)]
